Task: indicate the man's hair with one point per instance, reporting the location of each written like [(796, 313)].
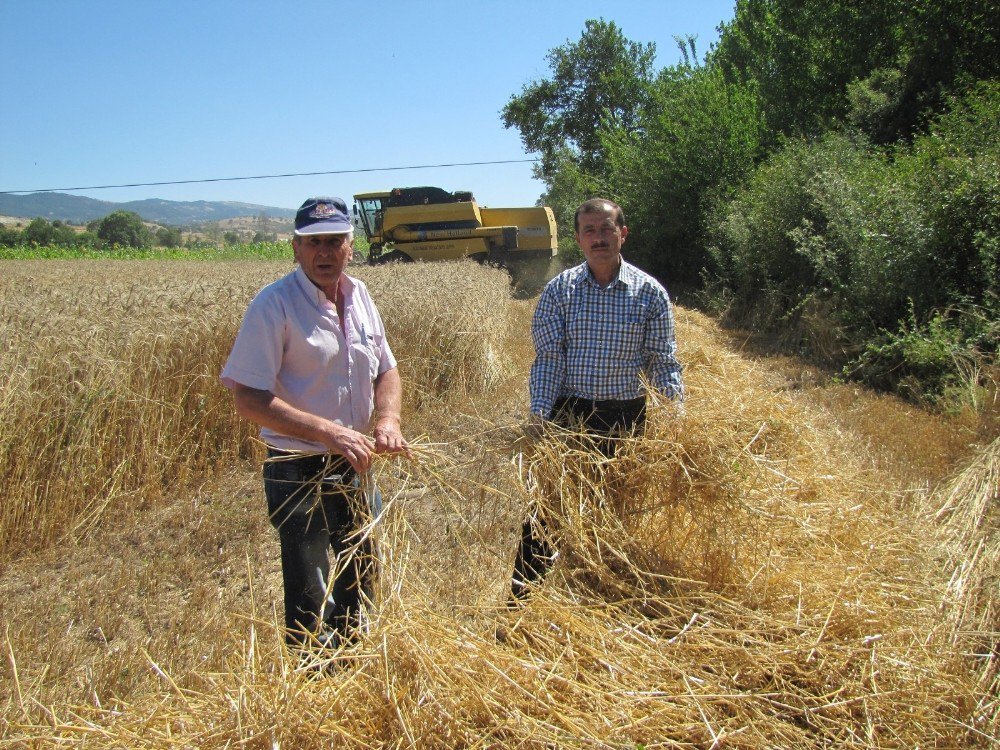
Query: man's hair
[(595, 205)]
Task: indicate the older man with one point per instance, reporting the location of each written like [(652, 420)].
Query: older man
[(311, 365), (598, 329)]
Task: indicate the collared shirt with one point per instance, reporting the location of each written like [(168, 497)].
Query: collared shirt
[(596, 342), (291, 344)]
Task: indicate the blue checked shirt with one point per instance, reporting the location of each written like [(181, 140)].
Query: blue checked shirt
[(595, 343)]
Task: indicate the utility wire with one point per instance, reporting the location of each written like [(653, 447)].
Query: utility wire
[(268, 176)]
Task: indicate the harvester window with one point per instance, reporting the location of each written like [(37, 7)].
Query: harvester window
[(371, 216)]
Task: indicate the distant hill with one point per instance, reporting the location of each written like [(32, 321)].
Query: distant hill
[(77, 209)]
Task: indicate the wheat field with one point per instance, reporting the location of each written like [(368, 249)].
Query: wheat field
[(786, 563)]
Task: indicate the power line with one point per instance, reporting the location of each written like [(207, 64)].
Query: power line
[(268, 176)]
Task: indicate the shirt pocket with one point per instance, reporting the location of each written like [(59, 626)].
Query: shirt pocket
[(366, 354), (636, 313), (627, 332), (625, 341)]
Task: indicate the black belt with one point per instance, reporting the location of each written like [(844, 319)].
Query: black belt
[(600, 416), (313, 465)]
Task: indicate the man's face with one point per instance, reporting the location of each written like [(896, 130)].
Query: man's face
[(599, 237), (324, 257)]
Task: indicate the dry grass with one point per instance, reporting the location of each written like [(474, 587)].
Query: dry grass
[(750, 574)]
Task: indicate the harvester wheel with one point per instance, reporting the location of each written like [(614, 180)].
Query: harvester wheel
[(396, 256)]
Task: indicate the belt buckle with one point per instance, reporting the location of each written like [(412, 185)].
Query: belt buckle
[(336, 472)]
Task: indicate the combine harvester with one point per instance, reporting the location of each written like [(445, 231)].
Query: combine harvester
[(428, 224)]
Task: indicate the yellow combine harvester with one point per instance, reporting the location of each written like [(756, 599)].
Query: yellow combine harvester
[(428, 223)]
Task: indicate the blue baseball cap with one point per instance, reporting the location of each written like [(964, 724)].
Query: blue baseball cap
[(323, 216)]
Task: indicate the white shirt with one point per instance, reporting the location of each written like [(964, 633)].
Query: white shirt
[(291, 344)]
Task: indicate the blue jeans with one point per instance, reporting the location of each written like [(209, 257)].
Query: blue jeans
[(316, 505)]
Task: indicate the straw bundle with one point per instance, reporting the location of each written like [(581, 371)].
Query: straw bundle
[(969, 515)]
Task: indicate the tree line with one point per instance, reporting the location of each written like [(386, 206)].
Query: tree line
[(827, 175), (119, 228), (124, 229)]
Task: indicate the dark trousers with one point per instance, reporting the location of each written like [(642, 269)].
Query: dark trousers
[(603, 422), (316, 506)]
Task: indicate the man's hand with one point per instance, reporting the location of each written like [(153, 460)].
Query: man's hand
[(266, 409), (356, 447), (388, 437), (531, 431)]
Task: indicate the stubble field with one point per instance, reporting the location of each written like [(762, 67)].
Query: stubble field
[(787, 563)]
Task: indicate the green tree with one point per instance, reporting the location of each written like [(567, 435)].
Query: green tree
[(87, 238), (601, 80), (597, 83), (10, 236), (700, 138), (262, 229), (39, 232), (943, 45), (800, 55), (124, 228), (885, 65), (168, 237), (63, 234)]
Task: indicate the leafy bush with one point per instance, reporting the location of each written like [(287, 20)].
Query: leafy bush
[(872, 237), (168, 237), (936, 361), (699, 135), (41, 232), (954, 172), (9, 236), (772, 239)]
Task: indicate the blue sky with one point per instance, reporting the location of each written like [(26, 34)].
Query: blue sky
[(105, 92)]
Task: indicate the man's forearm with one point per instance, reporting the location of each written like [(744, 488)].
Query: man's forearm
[(545, 381), (388, 406), (389, 395), (267, 410)]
